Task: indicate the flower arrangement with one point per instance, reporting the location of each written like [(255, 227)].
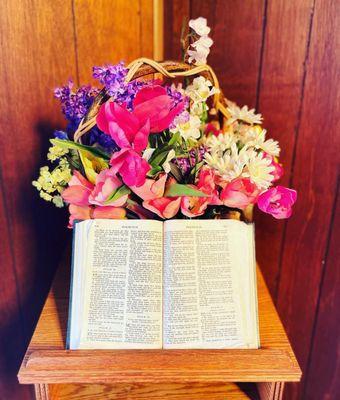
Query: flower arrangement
[(150, 148)]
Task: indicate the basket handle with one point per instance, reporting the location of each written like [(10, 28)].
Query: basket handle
[(170, 69)]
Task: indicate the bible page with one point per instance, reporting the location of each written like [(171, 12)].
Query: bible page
[(122, 285), (206, 283)]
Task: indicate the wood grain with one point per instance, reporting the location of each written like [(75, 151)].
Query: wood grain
[(324, 369), (279, 100), (230, 391), (46, 361), (314, 176), (237, 34), (111, 31), (32, 64)]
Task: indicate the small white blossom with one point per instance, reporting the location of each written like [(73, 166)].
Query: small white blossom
[(199, 25), (217, 145), (200, 89), (243, 114), (189, 129)]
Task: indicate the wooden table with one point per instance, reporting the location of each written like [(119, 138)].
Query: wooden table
[(155, 374)]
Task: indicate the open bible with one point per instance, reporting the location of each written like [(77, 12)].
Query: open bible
[(178, 284)]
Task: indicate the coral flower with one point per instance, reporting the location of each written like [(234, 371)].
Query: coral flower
[(87, 212), (239, 193), (277, 201), (78, 191), (107, 183)]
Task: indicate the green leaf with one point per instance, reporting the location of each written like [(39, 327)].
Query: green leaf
[(174, 139), (69, 144), (117, 194), (178, 189), (154, 171)]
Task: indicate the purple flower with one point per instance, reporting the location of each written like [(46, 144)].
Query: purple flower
[(97, 136), (60, 135), (184, 164), (75, 104), (112, 77)]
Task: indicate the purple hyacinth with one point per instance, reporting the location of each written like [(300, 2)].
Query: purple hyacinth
[(75, 104), (113, 79)]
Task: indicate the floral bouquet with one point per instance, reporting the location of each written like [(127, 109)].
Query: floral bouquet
[(170, 146)]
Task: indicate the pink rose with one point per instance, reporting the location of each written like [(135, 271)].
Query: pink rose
[(131, 166), (125, 128), (277, 201), (88, 212), (106, 184), (154, 104), (78, 191), (239, 193)]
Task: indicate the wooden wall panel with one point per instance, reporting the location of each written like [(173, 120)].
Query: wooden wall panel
[(110, 31), (322, 376), (236, 52), (280, 95), (33, 62), (284, 58), (314, 175), (43, 44)]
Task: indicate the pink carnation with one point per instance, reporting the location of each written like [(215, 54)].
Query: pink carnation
[(277, 201)]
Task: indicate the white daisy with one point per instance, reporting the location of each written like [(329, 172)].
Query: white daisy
[(258, 169), (219, 144), (243, 114)]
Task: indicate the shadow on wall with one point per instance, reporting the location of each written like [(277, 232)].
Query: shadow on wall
[(39, 255)]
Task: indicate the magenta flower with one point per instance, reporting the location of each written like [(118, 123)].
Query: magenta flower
[(277, 201), (131, 166), (125, 128), (155, 104)]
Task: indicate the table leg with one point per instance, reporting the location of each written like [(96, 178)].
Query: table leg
[(41, 391), (270, 390)]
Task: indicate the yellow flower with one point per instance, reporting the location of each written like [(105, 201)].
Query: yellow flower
[(92, 165)]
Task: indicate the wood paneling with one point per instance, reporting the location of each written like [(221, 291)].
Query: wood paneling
[(236, 53), (280, 94), (284, 58), (324, 369), (314, 175), (42, 45)]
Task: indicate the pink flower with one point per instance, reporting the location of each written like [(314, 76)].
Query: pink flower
[(193, 206), (154, 104), (152, 188), (165, 207), (277, 201), (78, 191), (87, 212), (106, 184), (125, 128), (154, 199), (278, 171), (131, 166), (211, 128), (239, 193)]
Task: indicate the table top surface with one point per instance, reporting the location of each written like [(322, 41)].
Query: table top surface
[(47, 361)]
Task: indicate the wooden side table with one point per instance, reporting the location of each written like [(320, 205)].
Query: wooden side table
[(155, 374)]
